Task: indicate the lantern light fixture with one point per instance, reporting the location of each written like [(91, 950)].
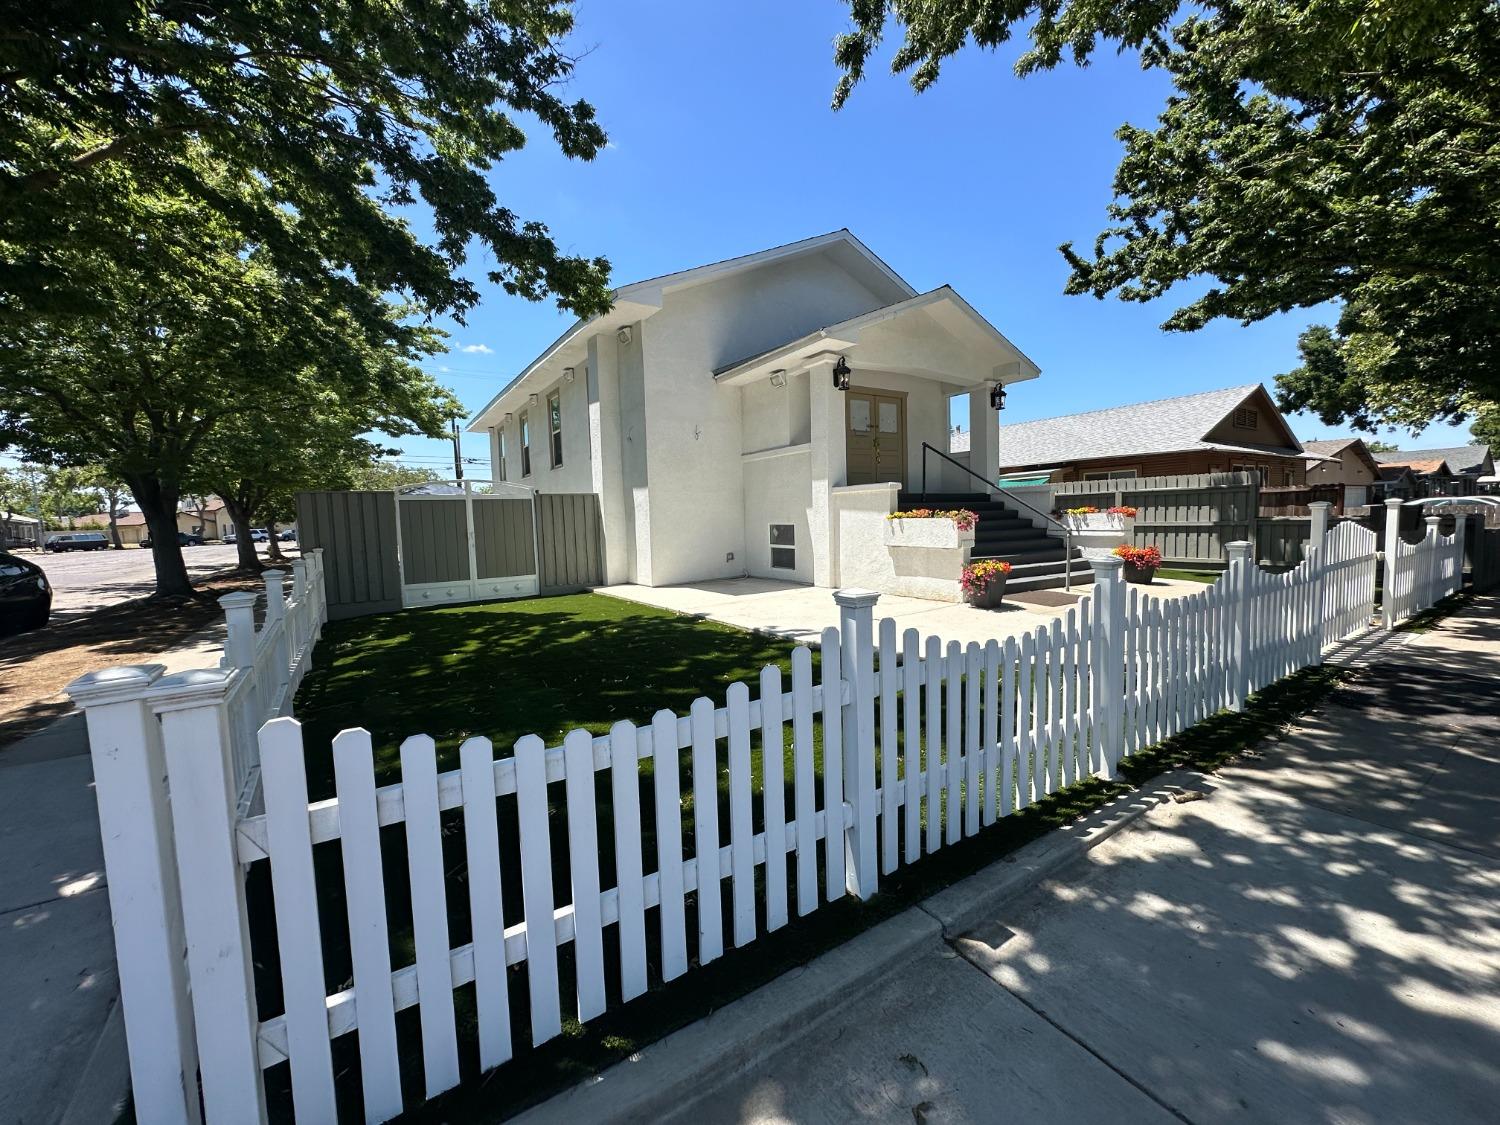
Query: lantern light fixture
[(841, 375), (778, 377), (567, 374), (997, 397)]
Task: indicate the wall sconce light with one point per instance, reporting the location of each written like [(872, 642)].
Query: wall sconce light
[(841, 375), (997, 397), (509, 417), (778, 377), (625, 335), (534, 399), (567, 374)]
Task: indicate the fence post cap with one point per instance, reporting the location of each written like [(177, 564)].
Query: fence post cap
[(855, 598), (238, 599), (1239, 548), (1394, 502), (273, 575), (114, 685), (192, 688), (1319, 504), (1111, 566)]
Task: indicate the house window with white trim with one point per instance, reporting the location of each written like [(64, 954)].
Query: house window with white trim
[(783, 546), (525, 444), (554, 426), (500, 449), (1111, 474)]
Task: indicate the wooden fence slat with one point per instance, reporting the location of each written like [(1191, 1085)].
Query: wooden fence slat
[(932, 699), (429, 913), (911, 717), (583, 867), (482, 848), (625, 796), (1070, 670), (369, 944), (668, 801), (835, 869), (973, 667), (1024, 775), (889, 751), (298, 933), (773, 794), (804, 792), (741, 829), (706, 830), (536, 888), (953, 802), (991, 728)]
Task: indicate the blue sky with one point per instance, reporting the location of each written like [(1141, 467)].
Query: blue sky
[(722, 143)]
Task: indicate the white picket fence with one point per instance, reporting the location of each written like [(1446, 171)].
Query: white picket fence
[(1419, 575), (924, 744)]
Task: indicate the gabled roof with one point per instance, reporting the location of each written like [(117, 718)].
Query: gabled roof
[(1167, 425), (1330, 446), (638, 300), (1330, 449), (1421, 466), (1460, 458)]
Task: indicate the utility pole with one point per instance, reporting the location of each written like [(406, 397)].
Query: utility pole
[(458, 460)]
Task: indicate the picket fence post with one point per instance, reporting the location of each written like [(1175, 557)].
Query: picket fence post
[(1319, 550), (135, 824), (856, 629), (276, 613), (1459, 528), (1108, 680), (239, 624), (1239, 613), (195, 735), (1388, 598)]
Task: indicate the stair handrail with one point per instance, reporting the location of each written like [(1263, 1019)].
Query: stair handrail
[(991, 486)]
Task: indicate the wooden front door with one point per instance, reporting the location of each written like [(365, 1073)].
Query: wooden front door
[(876, 422)]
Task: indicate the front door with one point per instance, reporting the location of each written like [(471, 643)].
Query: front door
[(877, 436)]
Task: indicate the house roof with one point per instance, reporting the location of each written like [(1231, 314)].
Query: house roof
[(1394, 472), (1166, 425), (1329, 446), (638, 300), (1330, 449), (1420, 466), (1460, 458), (962, 317)]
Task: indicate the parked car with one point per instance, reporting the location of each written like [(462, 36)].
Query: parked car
[(289, 535), (259, 535), (25, 594), (78, 541), (230, 538), (184, 539)]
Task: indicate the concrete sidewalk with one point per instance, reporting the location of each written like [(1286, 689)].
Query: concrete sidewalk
[(62, 1045), (1316, 939)]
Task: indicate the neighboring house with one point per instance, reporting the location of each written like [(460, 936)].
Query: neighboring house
[(1231, 430), (1454, 471), (1347, 462), (17, 530), (1396, 483), (707, 409), (214, 524)]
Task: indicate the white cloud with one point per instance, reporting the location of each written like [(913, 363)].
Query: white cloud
[(477, 349)]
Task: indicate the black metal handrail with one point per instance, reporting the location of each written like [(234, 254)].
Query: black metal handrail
[(991, 486)]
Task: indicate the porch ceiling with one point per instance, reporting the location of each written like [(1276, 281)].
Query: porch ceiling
[(936, 335)]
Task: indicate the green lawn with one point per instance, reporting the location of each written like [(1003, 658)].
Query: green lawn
[(547, 665), (1209, 576)]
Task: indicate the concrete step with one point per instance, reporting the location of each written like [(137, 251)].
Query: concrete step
[(1047, 576), (1011, 547)]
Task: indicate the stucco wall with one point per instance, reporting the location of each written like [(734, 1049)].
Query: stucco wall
[(926, 420), (777, 491), (574, 474), (866, 559), (694, 427)]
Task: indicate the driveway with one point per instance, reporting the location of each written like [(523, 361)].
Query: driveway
[(87, 580), (1316, 939), (801, 613)]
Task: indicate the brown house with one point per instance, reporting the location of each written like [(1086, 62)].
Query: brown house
[(1346, 462), (1237, 429)]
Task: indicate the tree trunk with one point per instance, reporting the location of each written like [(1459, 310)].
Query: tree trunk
[(273, 547), (244, 546), (159, 505), (112, 498)]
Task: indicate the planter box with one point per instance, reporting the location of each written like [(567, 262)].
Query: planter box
[(1141, 575), (1099, 533), (936, 534), (992, 595)]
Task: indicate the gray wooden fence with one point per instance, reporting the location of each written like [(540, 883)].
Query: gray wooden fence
[(1187, 518), (357, 531)]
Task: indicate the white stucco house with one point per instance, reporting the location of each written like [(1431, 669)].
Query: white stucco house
[(705, 411)]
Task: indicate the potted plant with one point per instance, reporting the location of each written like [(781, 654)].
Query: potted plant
[(1098, 531), (928, 527), (1141, 563), (984, 583)]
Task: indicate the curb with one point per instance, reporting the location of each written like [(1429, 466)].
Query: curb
[(671, 1075)]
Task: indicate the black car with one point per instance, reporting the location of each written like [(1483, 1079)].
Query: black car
[(183, 540), (25, 595)]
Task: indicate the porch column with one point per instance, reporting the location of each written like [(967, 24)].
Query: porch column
[(607, 474), (830, 457), (984, 436)]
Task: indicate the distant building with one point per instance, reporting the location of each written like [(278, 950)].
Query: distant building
[(1454, 471), (1347, 462)]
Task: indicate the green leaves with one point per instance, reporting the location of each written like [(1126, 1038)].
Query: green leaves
[(1313, 151)]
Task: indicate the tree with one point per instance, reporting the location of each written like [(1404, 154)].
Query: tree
[(188, 328), (1335, 151), (380, 475), (1486, 428), (1376, 446), (353, 112)]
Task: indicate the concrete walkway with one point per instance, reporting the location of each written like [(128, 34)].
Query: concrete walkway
[(1317, 939), (801, 613), (62, 1046)]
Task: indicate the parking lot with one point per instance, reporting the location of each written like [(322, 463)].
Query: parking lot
[(84, 581)]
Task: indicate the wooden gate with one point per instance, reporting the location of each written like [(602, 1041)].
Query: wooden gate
[(466, 541)]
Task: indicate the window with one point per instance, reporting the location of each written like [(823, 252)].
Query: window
[(1245, 418), (500, 447), (1111, 474), (525, 444), (554, 425), (1288, 477), (1259, 470), (783, 546)]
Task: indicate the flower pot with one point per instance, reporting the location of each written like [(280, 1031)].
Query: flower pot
[(990, 596), (1141, 575)]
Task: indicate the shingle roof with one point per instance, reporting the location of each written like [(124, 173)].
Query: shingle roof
[(1329, 446), (1419, 465), (1460, 458), (1166, 425)]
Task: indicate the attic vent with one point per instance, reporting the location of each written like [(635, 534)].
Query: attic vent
[(1244, 418)]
